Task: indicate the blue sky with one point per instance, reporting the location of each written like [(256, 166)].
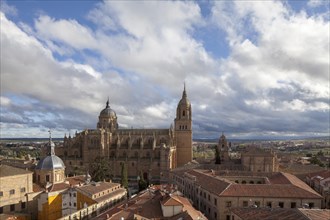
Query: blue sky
[(252, 68)]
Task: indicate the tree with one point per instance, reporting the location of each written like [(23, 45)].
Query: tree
[(124, 179), (217, 155), (142, 182), (99, 169)]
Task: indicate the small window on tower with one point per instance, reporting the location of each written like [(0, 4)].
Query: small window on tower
[(183, 113)]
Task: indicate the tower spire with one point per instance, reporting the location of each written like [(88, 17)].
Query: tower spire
[(184, 94)]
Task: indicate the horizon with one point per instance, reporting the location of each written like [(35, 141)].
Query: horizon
[(247, 73)]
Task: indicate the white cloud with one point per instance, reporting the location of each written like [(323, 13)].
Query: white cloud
[(317, 3), (8, 9), (69, 32), (139, 54)]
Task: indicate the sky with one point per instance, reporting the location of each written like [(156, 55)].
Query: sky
[(251, 68)]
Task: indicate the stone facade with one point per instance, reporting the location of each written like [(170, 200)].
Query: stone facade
[(152, 152), (215, 194), (15, 184)]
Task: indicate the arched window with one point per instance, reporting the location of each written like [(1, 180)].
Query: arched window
[(243, 182), (251, 182), (183, 113)]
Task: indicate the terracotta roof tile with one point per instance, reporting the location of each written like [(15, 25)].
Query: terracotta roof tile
[(208, 182), (268, 214), (274, 191), (97, 187), (316, 214), (75, 180), (170, 201), (6, 170)]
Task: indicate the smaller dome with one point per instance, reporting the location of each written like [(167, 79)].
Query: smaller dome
[(50, 162), (108, 112), (184, 101)]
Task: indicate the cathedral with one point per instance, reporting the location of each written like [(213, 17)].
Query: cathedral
[(150, 152)]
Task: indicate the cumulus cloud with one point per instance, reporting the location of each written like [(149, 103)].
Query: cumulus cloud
[(274, 81)]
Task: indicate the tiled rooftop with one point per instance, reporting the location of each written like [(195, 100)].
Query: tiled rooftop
[(281, 213), (278, 185), (6, 170), (268, 214), (147, 205), (94, 188)]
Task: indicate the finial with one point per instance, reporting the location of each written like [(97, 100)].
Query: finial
[(50, 135), (107, 106), (184, 94)]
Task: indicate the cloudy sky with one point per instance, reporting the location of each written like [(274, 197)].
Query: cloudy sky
[(252, 69)]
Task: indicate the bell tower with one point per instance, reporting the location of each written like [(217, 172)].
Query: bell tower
[(183, 130)]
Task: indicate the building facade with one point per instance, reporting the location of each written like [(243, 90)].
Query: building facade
[(152, 152), (15, 184), (215, 194)]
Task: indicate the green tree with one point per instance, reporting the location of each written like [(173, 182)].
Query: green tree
[(143, 184), (124, 179), (217, 155), (99, 169), (320, 153)]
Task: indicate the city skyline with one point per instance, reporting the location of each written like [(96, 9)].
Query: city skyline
[(251, 68)]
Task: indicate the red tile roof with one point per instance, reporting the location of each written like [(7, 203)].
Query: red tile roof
[(94, 188), (6, 170), (170, 201), (316, 214), (268, 214)]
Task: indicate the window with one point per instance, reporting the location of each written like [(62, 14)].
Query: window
[(281, 204), (215, 215), (1, 210), (311, 205), (23, 189), (74, 204), (251, 182), (183, 113), (257, 203), (228, 204), (245, 203), (269, 204), (1, 193), (243, 182), (209, 211), (209, 198), (204, 195), (215, 201), (227, 217), (293, 205), (12, 207), (47, 178), (12, 192), (23, 205)]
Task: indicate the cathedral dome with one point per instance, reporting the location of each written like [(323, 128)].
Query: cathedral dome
[(50, 162), (107, 112)]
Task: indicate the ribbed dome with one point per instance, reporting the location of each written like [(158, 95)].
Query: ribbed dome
[(50, 162), (184, 100), (108, 112)]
